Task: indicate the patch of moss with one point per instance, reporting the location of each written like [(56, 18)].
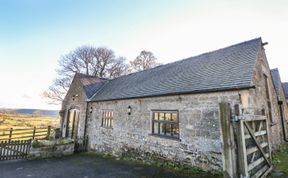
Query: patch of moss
[(50, 143)]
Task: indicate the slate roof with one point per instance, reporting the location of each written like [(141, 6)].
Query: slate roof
[(91, 84), (276, 80), (223, 69), (285, 88)]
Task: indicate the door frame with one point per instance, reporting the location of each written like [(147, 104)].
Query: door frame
[(76, 113)]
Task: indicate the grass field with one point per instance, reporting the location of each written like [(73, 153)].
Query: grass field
[(22, 121), (23, 124)]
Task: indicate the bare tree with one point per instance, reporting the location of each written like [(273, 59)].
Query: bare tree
[(100, 62), (77, 61), (118, 68), (145, 60)]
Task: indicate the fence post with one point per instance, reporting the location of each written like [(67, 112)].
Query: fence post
[(34, 131), (243, 165), (48, 132), (10, 135)]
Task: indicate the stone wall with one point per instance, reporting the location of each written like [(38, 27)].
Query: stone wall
[(51, 151), (258, 99), (200, 138), (284, 110), (78, 102)]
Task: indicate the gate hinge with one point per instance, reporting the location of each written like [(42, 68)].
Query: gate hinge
[(236, 118)]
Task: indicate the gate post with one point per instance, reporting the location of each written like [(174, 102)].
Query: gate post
[(34, 131), (48, 132), (227, 140), (10, 134), (242, 155)]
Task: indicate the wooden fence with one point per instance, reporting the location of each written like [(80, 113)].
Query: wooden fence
[(25, 134), (14, 149)]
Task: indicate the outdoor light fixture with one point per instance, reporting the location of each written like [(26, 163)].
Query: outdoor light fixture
[(74, 96), (129, 110), (91, 109)]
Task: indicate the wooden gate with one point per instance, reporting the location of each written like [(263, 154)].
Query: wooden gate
[(253, 147), (246, 148), (14, 149)]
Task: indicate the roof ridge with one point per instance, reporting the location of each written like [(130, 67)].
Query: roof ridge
[(90, 76), (226, 68), (190, 58), (219, 49)]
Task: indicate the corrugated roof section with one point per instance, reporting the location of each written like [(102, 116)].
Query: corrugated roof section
[(223, 69)]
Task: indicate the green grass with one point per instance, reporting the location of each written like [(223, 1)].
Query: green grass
[(280, 159), (25, 121), (22, 121)]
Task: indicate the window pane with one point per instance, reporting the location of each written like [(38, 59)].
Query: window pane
[(168, 116), (155, 128), (174, 117), (155, 115), (162, 128), (161, 116), (175, 130), (168, 129)]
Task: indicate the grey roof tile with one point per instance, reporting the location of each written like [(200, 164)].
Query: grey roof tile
[(276, 80), (223, 69), (91, 84), (285, 88)]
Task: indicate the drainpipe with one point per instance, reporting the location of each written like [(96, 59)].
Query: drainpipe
[(280, 103), (86, 118)]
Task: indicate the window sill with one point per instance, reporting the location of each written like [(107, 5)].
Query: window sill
[(107, 127), (166, 137)]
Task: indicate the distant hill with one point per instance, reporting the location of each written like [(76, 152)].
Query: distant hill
[(39, 112)]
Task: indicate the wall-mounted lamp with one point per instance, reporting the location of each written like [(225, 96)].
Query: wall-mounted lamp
[(74, 96), (91, 109), (129, 110)]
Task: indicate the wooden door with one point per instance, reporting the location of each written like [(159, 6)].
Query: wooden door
[(72, 123)]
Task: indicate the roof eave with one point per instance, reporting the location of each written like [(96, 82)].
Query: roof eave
[(180, 93)]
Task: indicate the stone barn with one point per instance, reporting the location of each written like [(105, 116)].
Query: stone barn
[(173, 112), (74, 105)]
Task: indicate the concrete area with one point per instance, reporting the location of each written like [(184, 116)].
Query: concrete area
[(82, 166)]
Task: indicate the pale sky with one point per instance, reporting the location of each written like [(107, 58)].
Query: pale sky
[(35, 33)]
